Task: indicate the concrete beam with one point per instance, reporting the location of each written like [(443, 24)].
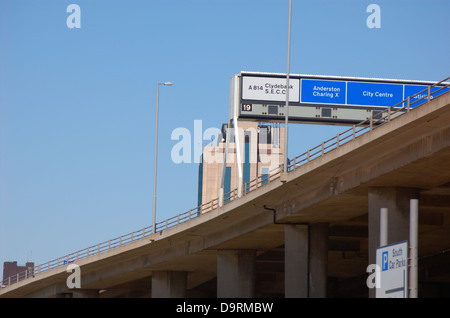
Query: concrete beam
[(85, 293)]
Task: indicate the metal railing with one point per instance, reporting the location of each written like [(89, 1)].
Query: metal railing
[(350, 134)]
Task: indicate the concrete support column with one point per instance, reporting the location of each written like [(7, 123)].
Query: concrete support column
[(397, 202), (85, 293), (296, 258), (236, 273), (318, 260), (169, 284)]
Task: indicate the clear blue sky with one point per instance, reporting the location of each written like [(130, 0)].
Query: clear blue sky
[(77, 106)]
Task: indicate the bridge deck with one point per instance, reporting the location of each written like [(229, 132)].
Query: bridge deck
[(412, 150)]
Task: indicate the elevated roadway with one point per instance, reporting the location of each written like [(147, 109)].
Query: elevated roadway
[(339, 192)]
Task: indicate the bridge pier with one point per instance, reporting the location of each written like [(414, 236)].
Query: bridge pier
[(169, 284), (396, 200), (236, 273), (318, 260), (306, 256), (296, 249)]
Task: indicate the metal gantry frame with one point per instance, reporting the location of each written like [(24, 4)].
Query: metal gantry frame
[(232, 124)]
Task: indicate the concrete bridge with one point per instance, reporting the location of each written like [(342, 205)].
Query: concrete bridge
[(311, 236)]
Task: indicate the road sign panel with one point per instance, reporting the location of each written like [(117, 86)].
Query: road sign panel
[(422, 93), (319, 99), (269, 89), (323, 92), (374, 94), (393, 263)]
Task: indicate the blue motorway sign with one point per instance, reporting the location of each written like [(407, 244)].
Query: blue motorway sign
[(323, 91), (374, 94), (360, 93), (422, 92)]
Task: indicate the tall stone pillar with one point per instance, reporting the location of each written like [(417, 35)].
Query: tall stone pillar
[(306, 260), (396, 200), (236, 273), (296, 261), (169, 284), (318, 260)]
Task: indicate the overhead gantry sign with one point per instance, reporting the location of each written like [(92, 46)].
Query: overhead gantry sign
[(320, 99)]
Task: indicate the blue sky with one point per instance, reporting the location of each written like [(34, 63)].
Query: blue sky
[(77, 106)]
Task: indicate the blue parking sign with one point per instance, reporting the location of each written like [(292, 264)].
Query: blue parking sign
[(385, 261), (392, 265)]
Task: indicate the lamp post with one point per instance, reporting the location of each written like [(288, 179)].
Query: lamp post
[(156, 154), (286, 111)]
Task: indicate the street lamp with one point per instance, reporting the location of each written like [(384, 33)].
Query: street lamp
[(286, 111), (156, 153)]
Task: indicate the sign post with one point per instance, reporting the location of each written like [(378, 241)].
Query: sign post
[(393, 264)]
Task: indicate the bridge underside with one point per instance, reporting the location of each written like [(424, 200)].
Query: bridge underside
[(414, 154), (347, 254)]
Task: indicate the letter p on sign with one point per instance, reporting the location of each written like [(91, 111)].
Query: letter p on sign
[(385, 261)]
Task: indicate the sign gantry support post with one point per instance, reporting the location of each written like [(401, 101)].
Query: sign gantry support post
[(232, 127), (224, 164)]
